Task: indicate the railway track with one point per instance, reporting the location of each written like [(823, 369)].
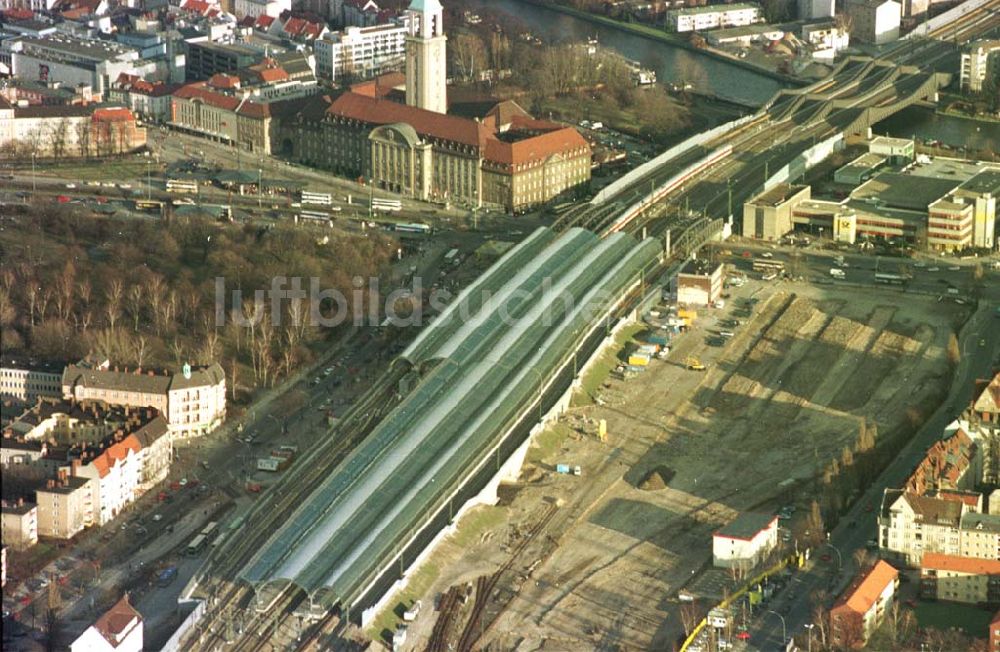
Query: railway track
[(487, 584), (267, 515), (450, 604)]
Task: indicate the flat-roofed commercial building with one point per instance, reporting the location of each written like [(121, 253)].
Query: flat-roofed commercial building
[(983, 192), (699, 283), (360, 52), (860, 169), (746, 541), (898, 150), (768, 216)]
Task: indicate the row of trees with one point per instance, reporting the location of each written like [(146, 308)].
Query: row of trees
[(81, 137), (144, 294)]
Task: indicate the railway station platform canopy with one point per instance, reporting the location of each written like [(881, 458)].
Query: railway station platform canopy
[(483, 363)]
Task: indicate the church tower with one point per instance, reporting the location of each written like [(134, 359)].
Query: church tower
[(425, 60)]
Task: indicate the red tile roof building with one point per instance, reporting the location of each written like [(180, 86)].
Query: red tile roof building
[(960, 579), (435, 156), (862, 606), (118, 630), (948, 464)]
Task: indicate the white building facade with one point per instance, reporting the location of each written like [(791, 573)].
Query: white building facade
[(745, 542), (360, 51), (980, 61), (696, 19)]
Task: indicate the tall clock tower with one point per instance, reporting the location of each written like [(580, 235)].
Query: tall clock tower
[(425, 60)]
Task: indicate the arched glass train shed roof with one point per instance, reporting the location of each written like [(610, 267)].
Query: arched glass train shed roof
[(495, 345)]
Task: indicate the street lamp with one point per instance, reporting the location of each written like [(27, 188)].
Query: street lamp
[(33, 186), (260, 188), (809, 640), (840, 560), (784, 636)]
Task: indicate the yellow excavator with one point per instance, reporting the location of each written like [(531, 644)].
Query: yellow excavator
[(694, 364)]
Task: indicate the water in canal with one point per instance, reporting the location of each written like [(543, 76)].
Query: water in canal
[(672, 64), (925, 124)]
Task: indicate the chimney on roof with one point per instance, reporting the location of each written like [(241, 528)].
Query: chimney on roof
[(49, 484), (74, 467), (20, 501)]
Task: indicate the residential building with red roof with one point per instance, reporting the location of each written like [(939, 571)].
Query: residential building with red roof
[(256, 8), (116, 472), (862, 606), (118, 630), (150, 100), (987, 403), (950, 463), (960, 579)]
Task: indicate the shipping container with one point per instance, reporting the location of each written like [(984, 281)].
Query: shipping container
[(661, 340), (638, 360), (684, 313)]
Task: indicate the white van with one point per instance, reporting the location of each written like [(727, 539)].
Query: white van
[(837, 273)]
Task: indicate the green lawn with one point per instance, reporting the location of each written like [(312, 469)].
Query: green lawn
[(393, 616), (547, 442), (601, 368), (945, 615)]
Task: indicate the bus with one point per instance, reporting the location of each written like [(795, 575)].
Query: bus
[(890, 279), (320, 198), (218, 539), (451, 257), (189, 186), (413, 228), (314, 217), (387, 205), (768, 265), (149, 205), (209, 529), (197, 545)]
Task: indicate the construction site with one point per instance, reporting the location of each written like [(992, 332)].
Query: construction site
[(591, 546)]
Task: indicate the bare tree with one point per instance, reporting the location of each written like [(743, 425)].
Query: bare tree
[(113, 301), (690, 615), (954, 352), (136, 303)]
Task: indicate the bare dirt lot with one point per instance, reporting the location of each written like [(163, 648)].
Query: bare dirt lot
[(686, 451)]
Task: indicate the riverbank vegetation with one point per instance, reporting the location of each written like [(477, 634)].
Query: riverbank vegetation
[(499, 58)]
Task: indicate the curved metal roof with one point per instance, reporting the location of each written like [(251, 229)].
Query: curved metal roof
[(492, 364)]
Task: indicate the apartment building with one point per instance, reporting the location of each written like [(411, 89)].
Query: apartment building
[(697, 19), (116, 472), (28, 380), (862, 607), (980, 62), (150, 100), (960, 579), (746, 541), (192, 401), (360, 52), (979, 536), (65, 506), (875, 21), (19, 523), (911, 525), (949, 464)]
